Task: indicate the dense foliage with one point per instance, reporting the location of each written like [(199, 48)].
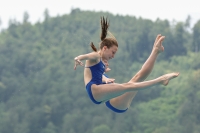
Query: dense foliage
[(41, 93)]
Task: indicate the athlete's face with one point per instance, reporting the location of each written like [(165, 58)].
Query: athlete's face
[(109, 53)]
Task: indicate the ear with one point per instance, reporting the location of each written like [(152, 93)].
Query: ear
[(105, 47)]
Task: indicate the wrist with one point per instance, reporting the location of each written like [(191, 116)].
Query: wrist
[(76, 58)]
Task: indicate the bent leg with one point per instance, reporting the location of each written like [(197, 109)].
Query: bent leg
[(124, 101)]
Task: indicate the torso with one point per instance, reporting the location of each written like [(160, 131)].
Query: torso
[(93, 65)]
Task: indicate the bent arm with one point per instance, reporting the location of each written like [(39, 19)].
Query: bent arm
[(104, 78), (107, 80), (89, 56)]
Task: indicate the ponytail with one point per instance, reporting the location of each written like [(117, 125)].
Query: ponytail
[(93, 47), (104, 28), (110, 41)]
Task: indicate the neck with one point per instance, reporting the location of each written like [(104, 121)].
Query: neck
[(100, 53)]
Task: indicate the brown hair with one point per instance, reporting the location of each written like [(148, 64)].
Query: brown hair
[(109, 41)]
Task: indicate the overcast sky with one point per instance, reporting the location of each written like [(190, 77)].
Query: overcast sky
[(151, 9)]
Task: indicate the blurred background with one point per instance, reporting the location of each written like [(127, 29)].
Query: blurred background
[(171, 10), (41, 93)]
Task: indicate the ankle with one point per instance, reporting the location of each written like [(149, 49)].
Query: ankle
[(155, 50)]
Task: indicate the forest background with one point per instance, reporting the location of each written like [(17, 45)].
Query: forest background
[(41, 93)]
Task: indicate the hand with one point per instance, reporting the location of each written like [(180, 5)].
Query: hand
[(110, 80), (77, 62), (107, 69)]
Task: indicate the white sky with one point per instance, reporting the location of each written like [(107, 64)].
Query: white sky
[(151, 9)]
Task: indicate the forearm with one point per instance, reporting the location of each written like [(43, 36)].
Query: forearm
[(81, 57), (90, 56), (104, 78)]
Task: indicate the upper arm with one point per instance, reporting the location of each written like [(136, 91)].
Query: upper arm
[(89, 56)]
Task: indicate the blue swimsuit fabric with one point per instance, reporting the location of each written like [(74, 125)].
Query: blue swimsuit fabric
[(97, 72)]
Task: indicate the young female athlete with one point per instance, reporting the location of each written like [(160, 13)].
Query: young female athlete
[(117, 97)]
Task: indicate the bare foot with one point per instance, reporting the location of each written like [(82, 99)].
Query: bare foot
[(157, 38), (158, 47), (167, 77)]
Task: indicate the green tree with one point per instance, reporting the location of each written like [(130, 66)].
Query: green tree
[(26, 17), (101, 129), (40, 92), (196, 38)]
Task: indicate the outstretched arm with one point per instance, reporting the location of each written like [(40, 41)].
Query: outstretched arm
[(89, 56)]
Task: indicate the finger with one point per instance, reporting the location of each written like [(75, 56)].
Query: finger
[(108, 69), (81, 63), (75, 66), (112, 80)]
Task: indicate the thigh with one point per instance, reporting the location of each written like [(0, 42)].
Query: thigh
[(104, 92)]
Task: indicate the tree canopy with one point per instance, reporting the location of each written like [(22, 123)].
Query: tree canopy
[(41, 93)]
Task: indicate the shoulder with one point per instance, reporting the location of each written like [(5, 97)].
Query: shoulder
[(94, 58), (96, 54)]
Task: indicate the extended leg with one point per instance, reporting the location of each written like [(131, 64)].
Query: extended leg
[(106, 92), (124, 101)]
